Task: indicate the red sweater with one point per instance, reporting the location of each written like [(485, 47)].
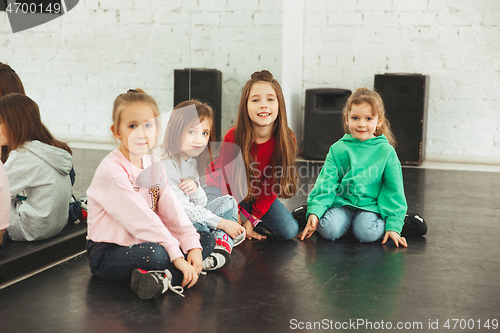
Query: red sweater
[(262, 155)]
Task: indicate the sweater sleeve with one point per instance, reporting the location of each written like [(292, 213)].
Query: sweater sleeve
[(323, 193), (120, 200), (195, 212), (391, 200), (176, 220), (194, 204), (18, 177)]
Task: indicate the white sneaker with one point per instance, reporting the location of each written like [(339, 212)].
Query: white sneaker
[(218, 259)]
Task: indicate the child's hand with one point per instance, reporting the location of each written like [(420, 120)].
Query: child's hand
[(195, 259), (395, 237), (231, 228), (250, 233), (188, 186), (312, 224), (190, 275)]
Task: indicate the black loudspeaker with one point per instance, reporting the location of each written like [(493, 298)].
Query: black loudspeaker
[(323, 124), (405, 99), (202, 84)]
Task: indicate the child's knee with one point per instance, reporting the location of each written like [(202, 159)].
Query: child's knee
[(289, 232), (368, 227), (367, 236), (331, 230), (207, 242), (334, 224), (155, 254)]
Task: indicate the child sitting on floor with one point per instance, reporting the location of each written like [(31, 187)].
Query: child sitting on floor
[(38, 169), (136, 227), (187, 147), (360, 187)]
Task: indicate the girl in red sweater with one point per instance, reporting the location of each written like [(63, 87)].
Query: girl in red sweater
[(264, 147)]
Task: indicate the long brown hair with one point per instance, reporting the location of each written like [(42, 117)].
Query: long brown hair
[(286, 146), (182, 119), (21, 119), (364, 95), (9, 83)]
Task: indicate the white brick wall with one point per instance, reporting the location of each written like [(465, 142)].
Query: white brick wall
[(76, 65), (457, 43)]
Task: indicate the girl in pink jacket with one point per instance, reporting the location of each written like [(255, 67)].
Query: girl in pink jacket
[(136, 227)]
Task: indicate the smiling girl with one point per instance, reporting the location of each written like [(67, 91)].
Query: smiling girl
[(360, 187), (136, 229), (268, 151)]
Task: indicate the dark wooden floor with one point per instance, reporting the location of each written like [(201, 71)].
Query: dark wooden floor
[(277, 286)]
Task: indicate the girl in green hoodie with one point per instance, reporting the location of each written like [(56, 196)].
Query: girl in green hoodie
[(360, 187)]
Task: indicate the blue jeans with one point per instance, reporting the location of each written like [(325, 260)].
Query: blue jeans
[(225, 207), (116, 262), (278, 220), (338, 221), (75, 211)]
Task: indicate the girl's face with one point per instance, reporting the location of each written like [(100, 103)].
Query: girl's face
[(195, 139), (262, 105), (3, 134), (362, 123), (137, 129)]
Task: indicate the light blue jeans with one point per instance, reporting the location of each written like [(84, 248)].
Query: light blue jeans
[(278, 220), (225, 207), (338, 221)]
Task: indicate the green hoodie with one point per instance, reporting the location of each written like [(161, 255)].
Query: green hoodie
[(362, 175)]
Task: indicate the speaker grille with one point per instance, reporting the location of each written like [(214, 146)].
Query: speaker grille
[(206, 86), (323, 120), (405, 101)]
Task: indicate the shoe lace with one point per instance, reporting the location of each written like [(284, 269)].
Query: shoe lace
[(176, 289), (211, 261)]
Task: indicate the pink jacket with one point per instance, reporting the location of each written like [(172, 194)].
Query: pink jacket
[(122, 212)]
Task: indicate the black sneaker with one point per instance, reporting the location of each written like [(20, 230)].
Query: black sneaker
[(218, 259), (149, 284), (299, 214), (414, 226)]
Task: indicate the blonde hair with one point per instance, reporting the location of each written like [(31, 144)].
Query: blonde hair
[(364, 95), (130, 97)]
